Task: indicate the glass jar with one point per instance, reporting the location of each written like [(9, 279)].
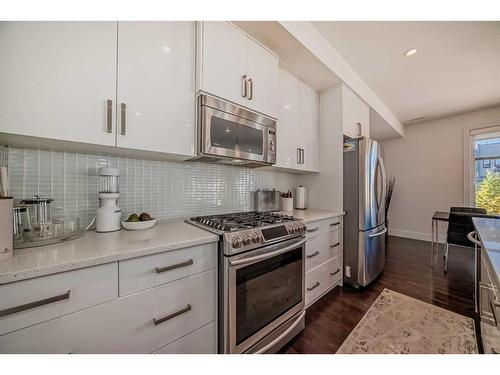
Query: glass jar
[(108, 180)]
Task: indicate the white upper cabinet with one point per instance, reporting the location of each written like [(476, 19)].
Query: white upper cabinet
[(355, 114), (155, 99), (57, 79), (236, 68), (223, 61), (309, 127), (298, 125), (288, 123), (262, 72)]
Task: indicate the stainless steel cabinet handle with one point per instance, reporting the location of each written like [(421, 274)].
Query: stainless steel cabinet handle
[(244, 85), (312, 229), (123, 128), (334, 273), (360, 129), (174, 266), (302, 158), (298, 155), (250, 89), (109, 116), (171, 316), (313, 254), (314, 286), (335, 244), (32, 305), (334, 224)]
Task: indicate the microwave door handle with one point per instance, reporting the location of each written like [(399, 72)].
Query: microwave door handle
[(271, 254)]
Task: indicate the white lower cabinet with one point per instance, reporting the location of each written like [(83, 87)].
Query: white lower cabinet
[(201, 341), (324, 258)]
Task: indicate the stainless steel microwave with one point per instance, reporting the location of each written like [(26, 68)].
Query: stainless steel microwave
[(231, 134)]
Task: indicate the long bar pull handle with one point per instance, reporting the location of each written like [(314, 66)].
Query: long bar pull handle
[(335, 244), (298, 155), (334, 273), (334, 224), (302, 155), (360, 129), (283, 334), (109, 116), (174, 266), (244, 86), (313, 254), (123, 128), (171, 316), (32, 305), (314, 286), (312, 229), (250, 90)]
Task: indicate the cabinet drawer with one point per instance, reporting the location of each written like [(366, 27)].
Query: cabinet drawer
[(125, 325), (335, 244), (322, 279), (317, 228), (153, 270), (201, 341), (322, 248), (33, 301)]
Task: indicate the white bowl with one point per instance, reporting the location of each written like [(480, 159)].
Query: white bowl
[(139, 225)]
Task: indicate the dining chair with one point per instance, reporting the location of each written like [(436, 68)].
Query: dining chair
[(459, 226)]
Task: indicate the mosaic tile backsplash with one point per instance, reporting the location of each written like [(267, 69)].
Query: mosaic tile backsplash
[(166, 190)]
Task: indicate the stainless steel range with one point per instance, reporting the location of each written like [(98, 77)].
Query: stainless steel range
[(261, 279)]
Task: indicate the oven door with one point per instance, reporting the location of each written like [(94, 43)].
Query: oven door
[(227, 135), (263, 289)]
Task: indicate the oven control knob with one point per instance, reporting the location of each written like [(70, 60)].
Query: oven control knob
[(247, 241), (291, 230), (236, 243), (256, 238)]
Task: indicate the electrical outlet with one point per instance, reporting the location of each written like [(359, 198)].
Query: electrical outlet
[(348, 271)]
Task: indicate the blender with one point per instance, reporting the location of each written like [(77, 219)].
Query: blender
[(108, 214)]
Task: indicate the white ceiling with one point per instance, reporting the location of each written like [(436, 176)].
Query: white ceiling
[(457, 68)]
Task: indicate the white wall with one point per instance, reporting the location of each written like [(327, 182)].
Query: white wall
[(325, 187), (428, 165)]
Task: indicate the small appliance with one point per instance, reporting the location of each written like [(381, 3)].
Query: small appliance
[(231, 134), (108, 214), (267, 200), (301, 197), (261, 279), (364, 204)]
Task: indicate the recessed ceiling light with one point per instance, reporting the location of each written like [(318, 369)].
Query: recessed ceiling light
[(411, 52)]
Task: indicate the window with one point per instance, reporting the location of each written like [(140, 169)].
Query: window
[(486, 184)]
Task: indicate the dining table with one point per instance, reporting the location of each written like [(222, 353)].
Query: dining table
[(438, 216)]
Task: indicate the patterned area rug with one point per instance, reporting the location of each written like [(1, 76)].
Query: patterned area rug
[(396, 323)]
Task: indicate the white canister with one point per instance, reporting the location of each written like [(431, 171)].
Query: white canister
[(301, 197), (6, 227), (287, 204)]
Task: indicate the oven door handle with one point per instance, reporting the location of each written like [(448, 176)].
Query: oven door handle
[(256, 258), (280, 337)]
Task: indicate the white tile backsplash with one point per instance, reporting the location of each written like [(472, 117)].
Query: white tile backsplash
[(167, 190)]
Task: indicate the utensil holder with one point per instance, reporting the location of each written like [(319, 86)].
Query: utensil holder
[(286, 204)]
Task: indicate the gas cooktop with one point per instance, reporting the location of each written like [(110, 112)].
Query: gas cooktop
[(249, 230)]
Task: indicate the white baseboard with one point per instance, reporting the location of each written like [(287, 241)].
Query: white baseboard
[(415, 235)]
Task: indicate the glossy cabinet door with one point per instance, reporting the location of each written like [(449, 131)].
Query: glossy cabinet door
[(223, 61), (56, 79), (262, 72), (156, 88), (355, 114), (288, 121), (309, 127)]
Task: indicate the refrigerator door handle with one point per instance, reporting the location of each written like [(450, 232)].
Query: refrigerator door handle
[(378, 234), (384, 184)]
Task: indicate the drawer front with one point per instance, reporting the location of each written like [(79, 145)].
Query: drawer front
[(33, 301), (322, 279), (317, 251), (317, 228), (201, 341), (335, 244), (125, 325), (153, 270)]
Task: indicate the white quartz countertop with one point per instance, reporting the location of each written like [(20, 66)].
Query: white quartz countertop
[(99, 248), (489, 233), (311, 215)]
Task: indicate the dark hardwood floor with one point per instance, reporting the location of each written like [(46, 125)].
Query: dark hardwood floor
[(330, 320)]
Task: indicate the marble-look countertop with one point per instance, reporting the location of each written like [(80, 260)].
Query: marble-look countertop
[(489, 233), (99, 248), (310, 215)]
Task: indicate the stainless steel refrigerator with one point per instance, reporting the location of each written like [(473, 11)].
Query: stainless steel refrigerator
[(364, 204)]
